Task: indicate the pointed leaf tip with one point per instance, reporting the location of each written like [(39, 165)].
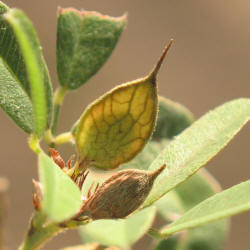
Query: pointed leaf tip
[(158, 171), (153, 74)]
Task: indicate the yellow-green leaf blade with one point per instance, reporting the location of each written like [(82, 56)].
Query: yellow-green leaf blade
[(198, 144), (227, 203), (85, 40), (117, 126), (61, 197)]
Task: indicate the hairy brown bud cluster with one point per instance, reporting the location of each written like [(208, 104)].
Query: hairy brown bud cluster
[(121, 194)]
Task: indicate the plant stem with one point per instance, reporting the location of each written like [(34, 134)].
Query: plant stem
[(63, 138), (58, 100), (155, 234), (37, 239), (39, 232), (34, 144)]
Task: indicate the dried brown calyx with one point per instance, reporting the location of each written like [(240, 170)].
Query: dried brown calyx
[(120, 195)]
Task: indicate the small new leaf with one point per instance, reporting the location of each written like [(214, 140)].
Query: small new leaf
[(85, 40), (61, 198), (116, 127)]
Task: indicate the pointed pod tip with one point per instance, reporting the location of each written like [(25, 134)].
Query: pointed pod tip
[(155, 173), (153, 74)]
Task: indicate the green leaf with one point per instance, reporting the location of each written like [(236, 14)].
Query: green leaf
[(121, 233), (173, 118), (210, 236), (147, 156), (61, 197), (193, 148), (117, 126), (22, 55), (14, 100), (227, 203), (85, 41)]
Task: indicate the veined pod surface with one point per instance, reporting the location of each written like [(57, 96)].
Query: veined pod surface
[(121, 194), (116, 127)]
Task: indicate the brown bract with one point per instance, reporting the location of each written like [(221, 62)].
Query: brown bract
[(121, 194)]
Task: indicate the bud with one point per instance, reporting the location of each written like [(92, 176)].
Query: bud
[(121, 194)]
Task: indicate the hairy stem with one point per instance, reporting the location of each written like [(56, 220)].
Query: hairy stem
[(58, 100), (34, 145), (39, 233), (63, 138)]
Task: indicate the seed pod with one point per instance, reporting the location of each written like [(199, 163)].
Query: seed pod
[(117, 126), (121, 194)]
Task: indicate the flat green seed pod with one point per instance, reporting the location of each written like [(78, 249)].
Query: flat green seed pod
[(116, 127)]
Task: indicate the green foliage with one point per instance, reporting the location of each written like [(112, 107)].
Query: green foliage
[(197, 145), (123, 117), (85, 41), (123, 232), (183, 198), (39, 83), (227, 203), (14, 88), (61, 196), (173, 118), (14, 100), (24, 74)]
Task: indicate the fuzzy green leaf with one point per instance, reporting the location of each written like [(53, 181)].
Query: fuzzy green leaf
[(230, 202), (21, 53), (173, 118), (121, 233), (61, 196), (210, 236), (85, 41), (14, 100), (147, 156), (189, 151)]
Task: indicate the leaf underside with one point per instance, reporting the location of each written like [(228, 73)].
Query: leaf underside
[(117, 126), (21, 56)]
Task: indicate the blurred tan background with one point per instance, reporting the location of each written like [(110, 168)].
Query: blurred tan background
[(208, 65)]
